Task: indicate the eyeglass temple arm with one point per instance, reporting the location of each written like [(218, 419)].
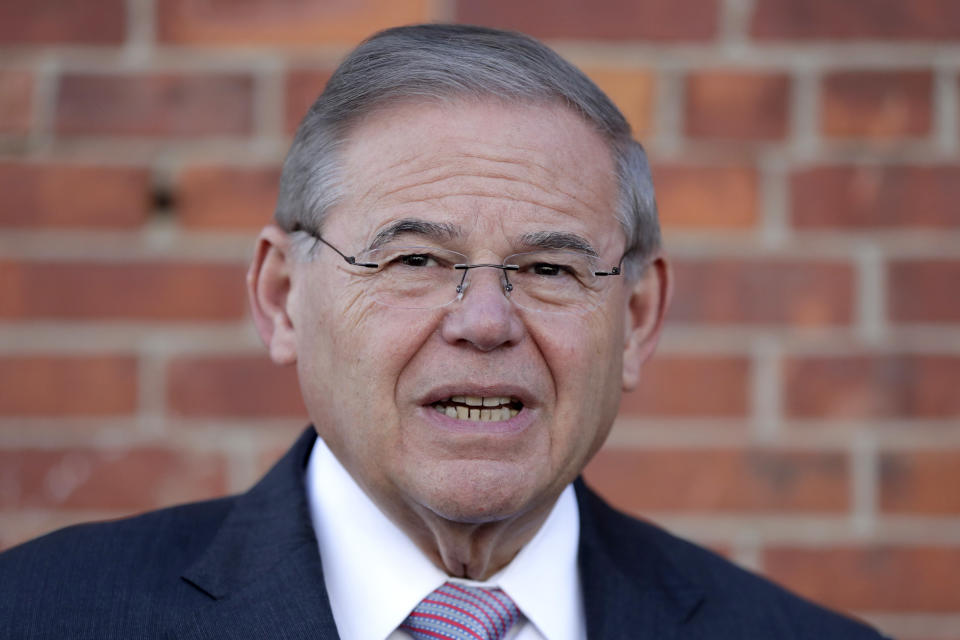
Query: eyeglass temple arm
[(615, 271), (349, 259)]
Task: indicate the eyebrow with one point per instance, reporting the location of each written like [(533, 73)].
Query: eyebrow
[(437, 231), (440, 231), (558, 240)]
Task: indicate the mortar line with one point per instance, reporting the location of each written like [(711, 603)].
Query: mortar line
[(774, 202), (765, 389), (151, 392), (141, 32), (733, 31), (871, 300), (45, 94), (864, 477), (804, 128), (668, 114), (946, 110)]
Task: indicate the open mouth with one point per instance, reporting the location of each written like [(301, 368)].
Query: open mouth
[(479, 408)]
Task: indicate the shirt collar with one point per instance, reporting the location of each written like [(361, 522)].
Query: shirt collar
[(367, 559)]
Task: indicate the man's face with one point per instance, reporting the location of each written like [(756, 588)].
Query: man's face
[(372, 375)]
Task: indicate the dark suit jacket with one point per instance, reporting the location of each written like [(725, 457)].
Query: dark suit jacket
[(248, 567)]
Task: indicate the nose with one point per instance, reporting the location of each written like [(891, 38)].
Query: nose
[(483, 317)]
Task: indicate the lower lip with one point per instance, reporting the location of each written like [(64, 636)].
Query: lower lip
[(516, 424)]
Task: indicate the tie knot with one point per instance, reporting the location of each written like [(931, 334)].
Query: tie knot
[(459, 612)]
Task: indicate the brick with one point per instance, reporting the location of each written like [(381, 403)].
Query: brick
[(136, 291), (155, 104), (290, 23), (721, 480), (876, 104), (759, 292), (924, 291), (661, 20), (851, 19), (690, 386), (62, 22), (737, 105), (876, 197), (227, 197), (631, 90), (68, 386), (690, 197), (303, 86), (54, 195), (16, 102), (920, 482), (116, 479), (865, 387), (878, 578), (233, 386)]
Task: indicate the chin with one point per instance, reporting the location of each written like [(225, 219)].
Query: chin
[(478, 492)]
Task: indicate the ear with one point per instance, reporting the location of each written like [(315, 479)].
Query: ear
[(646, 307), (268, 287)]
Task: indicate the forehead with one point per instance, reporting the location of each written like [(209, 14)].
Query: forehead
[(482, 166)]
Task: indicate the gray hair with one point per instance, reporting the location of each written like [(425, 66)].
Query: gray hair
[(436, 62)]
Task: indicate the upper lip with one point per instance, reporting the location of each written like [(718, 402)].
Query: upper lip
[(448, 390)]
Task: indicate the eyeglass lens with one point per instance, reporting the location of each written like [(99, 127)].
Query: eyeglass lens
[(426, 277)]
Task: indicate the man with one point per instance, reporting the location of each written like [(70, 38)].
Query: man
[(465, 270)]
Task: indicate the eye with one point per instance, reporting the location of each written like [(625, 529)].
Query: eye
[(549, 269), (416, 260)]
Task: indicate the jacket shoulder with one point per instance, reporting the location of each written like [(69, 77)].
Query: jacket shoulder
[(126, 571), (729, 601), (751, 601)]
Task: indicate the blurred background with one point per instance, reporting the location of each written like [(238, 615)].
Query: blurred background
[(802, 416)]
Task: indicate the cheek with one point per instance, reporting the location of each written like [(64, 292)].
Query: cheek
[(379, 341), (578, 349), (584, 356), (331, 346)]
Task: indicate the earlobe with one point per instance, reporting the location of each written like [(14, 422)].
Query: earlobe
[(645, 310), (268, 288)]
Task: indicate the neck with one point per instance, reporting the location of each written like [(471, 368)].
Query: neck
[(470, 550)]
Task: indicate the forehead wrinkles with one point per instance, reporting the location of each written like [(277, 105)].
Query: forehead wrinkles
[(548, 177)]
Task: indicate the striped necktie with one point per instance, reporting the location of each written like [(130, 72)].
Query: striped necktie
[(458, 612)]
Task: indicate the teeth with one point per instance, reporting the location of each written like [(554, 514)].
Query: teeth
[(478, 408)]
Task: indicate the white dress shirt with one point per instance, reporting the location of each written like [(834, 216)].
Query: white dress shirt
[(375, 575)]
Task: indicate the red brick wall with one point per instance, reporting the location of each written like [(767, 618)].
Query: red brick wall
[(802, 415)]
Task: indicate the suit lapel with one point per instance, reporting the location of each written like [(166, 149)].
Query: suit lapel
[(261, 573), (631, 590)]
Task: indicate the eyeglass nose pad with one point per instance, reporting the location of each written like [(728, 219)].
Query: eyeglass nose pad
[(461, 288)]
